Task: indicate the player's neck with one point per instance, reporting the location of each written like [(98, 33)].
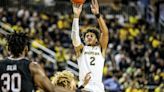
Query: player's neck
[(16, 57), (93, 45)]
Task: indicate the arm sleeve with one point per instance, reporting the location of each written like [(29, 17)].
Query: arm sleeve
[(75, 36)]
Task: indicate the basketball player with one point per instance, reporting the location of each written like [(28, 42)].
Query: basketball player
[(91, 55), (18, 74)]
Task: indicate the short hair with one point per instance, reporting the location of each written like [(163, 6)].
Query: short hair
[(92, 30), (63, 79), (17, 42)]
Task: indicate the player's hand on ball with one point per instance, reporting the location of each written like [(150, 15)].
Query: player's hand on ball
[(95, 7), (87, 78), (77, 8)]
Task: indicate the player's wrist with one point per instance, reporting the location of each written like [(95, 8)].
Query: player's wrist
[(76, 16), (98, 15), (81, 87)]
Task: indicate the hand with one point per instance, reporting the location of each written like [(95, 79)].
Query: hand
[(95, 7), (77, 8), (87, 79)]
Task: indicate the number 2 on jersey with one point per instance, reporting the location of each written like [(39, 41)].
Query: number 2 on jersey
[(12, 82), (92, 61)]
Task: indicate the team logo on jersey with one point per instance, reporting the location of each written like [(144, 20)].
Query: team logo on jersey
[(91, 53)]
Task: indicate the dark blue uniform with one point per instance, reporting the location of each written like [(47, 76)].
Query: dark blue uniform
[(15, 76)]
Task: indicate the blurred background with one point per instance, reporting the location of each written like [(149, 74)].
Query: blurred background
[(135, 54)]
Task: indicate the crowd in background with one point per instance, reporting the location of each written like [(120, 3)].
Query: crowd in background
[(135, 54)]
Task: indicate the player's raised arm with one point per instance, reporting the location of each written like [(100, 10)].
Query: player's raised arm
[(104, 30), (75, 35)]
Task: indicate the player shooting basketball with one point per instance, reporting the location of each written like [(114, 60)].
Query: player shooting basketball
[(91, 55)]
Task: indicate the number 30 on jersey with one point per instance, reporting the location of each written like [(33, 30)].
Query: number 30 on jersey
[(11, 82)]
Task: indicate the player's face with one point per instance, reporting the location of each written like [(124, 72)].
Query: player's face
[(90, 39)]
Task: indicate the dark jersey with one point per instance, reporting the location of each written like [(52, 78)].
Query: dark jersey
[(15, 76)]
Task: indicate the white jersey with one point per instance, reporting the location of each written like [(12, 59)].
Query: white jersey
[(91, 60)]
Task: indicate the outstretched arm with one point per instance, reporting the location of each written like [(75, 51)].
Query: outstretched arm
[(104, 30), (75, 25), (75, 35), (86, 81)]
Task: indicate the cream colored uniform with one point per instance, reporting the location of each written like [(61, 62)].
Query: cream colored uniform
[(91, 60)]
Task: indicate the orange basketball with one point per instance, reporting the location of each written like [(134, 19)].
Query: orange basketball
[(78, 1)]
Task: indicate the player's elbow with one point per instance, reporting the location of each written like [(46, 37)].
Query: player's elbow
[(75, 43)]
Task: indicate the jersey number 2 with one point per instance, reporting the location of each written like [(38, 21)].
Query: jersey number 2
[(92, 61), (14, 79)]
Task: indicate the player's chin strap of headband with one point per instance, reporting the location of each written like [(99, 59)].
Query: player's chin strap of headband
[(75, 32)]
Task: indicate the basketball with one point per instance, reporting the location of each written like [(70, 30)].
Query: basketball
[(78, 1)]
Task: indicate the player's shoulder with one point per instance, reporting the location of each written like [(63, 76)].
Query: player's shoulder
[(26, 60), (34, 66), (3, 60)]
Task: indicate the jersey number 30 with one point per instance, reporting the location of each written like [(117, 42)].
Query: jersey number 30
[(11, 82), (92, 61)]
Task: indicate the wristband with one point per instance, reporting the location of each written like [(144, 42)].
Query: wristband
[(81, 87), (98, 15)]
